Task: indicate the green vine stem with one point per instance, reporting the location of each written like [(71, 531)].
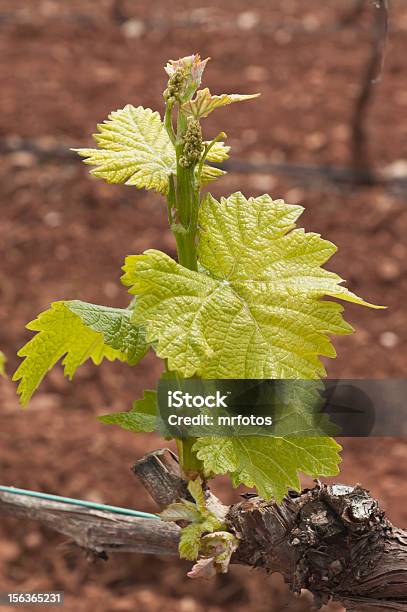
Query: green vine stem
[(183, 202), (191, 465)]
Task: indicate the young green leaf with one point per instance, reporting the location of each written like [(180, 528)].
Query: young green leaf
[(201, 518), (269, 464), (142, 416), (218, 153), (183, 510), (259, 313), (209, 174), (190, 541), (195, 488), (205, 103), (135, 149), (77, 331)]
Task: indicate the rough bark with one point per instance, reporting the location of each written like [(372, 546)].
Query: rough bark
[(333, 540), (94, 531)]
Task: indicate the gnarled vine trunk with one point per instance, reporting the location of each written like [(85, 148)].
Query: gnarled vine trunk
[(333, 540)]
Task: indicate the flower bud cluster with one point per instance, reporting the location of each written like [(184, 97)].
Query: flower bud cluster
[(193, 145), (176, 87), (185, 77)]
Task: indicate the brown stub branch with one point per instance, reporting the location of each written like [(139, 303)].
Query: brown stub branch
[(334, 541)]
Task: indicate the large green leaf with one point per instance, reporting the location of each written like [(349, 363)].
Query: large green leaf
[(77, 331), (253, 311), (259, 313), (134, 148), (269, 464), (271, 459)]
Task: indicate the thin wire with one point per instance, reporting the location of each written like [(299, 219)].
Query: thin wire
[(78, 502)]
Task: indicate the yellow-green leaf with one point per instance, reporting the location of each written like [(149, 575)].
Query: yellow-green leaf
[(205, 103), (134, 149), (269, 464), (77, 331), (258, 312)]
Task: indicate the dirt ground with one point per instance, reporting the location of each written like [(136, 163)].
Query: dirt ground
[(63, 67)]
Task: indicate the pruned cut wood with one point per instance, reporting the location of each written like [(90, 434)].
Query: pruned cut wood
[(333, 540)]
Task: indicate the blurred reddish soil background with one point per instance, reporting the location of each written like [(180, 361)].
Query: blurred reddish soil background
[(63, 67)]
